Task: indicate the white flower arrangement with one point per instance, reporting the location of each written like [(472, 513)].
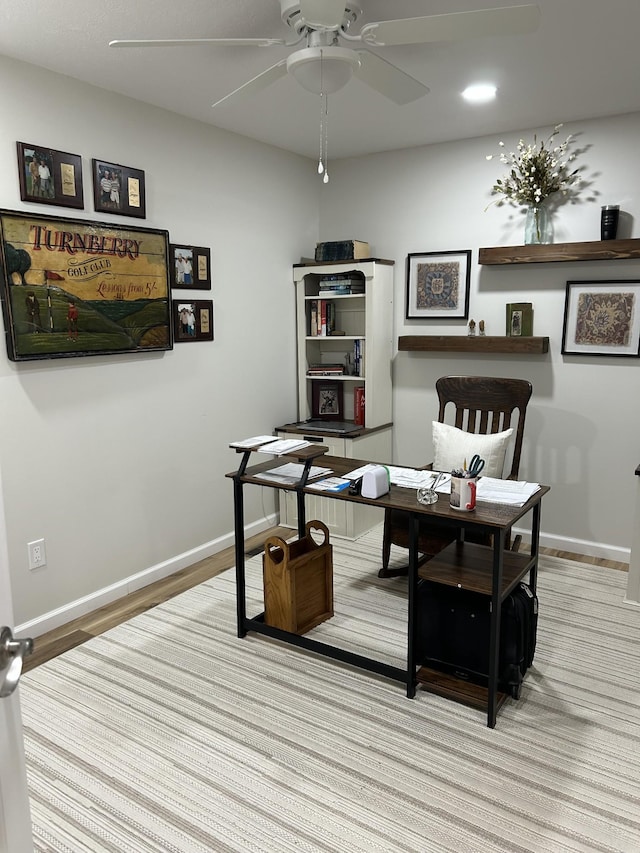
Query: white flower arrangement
[(537, 171)]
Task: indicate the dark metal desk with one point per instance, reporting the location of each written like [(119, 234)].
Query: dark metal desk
[(491, 571)]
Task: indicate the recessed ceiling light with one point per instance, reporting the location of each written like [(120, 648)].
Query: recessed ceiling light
[(479, 93)]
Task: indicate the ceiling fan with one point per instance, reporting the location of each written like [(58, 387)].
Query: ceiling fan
[(324, 66)]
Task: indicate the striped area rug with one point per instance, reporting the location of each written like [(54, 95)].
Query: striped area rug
[(170, 734)]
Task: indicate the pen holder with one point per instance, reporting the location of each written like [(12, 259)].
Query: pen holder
[(463, 493)]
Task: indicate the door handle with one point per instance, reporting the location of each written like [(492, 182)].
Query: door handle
[(12, 655)]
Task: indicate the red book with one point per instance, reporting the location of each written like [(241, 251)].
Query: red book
[(358, 406)]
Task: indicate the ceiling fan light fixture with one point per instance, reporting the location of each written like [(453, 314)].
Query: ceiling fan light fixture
[(323, 70), (480, 93)]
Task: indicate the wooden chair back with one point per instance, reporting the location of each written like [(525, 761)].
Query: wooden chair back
[(486, 404)]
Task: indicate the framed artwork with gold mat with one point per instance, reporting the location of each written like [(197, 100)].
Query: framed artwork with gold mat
[(48, 176), (72, 287)]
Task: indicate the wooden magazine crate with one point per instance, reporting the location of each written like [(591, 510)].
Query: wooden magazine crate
[(298, 581)]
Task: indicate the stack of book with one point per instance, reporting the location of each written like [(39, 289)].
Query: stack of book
[(325, 370), (339, 286), (322, 320)]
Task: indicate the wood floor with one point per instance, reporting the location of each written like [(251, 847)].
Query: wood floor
[(80, 630)]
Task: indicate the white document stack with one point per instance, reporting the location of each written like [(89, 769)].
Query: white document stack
[(514, 492)]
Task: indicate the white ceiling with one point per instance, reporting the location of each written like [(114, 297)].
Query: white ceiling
[(581, 63)]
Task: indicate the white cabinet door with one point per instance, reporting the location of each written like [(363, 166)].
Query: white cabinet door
[(15, 819)]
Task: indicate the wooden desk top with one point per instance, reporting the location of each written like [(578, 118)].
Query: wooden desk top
[(486, 514)]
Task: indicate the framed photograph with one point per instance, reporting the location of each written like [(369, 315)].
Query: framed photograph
[(519, 319), (50, 177), (438, 285), (192, 320), (327, 400), (118, 189), (74, 288), (602, 318), (190, 267)]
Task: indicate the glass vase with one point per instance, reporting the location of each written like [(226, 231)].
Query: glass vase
[(538, 226)]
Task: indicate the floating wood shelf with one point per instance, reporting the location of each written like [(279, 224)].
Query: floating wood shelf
[(473, 343), (598, 250)]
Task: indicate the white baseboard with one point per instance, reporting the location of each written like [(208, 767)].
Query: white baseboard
[(68, 612), (579, 546)]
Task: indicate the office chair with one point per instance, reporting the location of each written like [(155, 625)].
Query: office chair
[(481, 404)]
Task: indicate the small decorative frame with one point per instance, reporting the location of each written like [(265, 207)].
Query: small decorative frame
[(50, 177), (519, 319), (118, 189), (327, 400), (602, 318), (190, 267), (438, 285), (192, 320)]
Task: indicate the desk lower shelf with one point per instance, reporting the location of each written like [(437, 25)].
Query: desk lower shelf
[(450, 687), (470, 567)]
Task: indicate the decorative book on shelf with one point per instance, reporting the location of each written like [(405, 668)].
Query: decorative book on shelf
[(342, 250)]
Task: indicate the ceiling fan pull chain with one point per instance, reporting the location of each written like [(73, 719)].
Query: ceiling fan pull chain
[(325, 179), (320, 163)]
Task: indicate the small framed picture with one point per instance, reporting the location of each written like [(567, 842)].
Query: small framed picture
[(327, 400), (192, 320), (519, 319), (190, 267), (50, 177), (118, 189), (438, 285), (602, 318)]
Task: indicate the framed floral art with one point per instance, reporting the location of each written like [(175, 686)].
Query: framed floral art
[(602, 318), (438, 285)]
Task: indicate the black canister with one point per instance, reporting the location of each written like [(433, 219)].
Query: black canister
[(609, 221)]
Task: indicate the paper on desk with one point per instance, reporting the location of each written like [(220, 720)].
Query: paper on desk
[(253, 442), (359, 472), (331, 484), (513, 492), (290, 473), (284, 446), (409, 478), (412, 478)]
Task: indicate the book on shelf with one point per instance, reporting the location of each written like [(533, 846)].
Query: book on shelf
[(358, 357), (313, 318), (342, 250), (358, 405), (340, 286), (322, 318), (342, 291)]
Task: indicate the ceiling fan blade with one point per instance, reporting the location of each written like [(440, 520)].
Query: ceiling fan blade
[(261, 81), (388, 80), (510, 20), (322, 13), (194, 42)]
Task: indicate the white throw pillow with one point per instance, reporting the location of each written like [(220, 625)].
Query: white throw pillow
[(452, 446)]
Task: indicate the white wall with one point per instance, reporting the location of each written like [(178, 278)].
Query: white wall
[(119, 461), (582, 426)]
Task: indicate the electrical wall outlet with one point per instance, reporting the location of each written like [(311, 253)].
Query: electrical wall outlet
[(37, 554)]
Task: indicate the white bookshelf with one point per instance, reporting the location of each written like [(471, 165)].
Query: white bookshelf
[(368, 318)]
